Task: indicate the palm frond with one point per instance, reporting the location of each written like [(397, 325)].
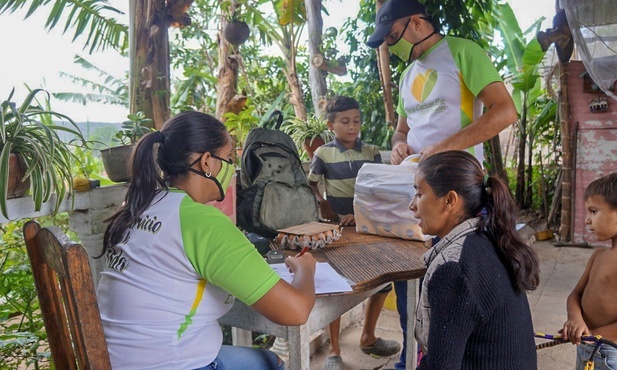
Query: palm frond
[(86, 17)]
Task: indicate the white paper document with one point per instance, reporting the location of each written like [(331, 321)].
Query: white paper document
[(327, 280)]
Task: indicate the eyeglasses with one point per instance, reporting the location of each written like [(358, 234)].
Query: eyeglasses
[(228, 161), (392, 38)]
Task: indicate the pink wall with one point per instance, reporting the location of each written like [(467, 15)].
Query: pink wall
[(595, 146)]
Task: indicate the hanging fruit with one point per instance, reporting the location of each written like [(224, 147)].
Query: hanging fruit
[(236, 32)]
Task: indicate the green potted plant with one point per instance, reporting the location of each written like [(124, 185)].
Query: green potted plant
[(116, 159), (30, 143), (239, 124), (309, 134)]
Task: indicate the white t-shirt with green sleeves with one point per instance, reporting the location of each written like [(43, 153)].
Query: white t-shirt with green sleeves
[(438, 91), (165, 286)]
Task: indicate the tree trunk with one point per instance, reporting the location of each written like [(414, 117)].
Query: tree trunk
[(497, 159), (520, 171), (297, 100), (315, 28), (529, 188), (385, 77), (149, 60), (291, 73), (226, 87), (565, 231)]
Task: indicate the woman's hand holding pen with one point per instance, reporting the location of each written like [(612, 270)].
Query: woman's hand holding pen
[(301, 262), (303, 266)]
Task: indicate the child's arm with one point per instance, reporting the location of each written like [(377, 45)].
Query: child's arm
[(324, 207), (348, 220), (575, 326)]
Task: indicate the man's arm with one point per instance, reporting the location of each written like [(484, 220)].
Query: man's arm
[(500, 113), (400, 149)]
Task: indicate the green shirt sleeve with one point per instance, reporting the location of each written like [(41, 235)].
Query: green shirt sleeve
[(476, 67), (222, 255)]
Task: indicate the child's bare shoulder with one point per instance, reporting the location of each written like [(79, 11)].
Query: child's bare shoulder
[(603, 257)]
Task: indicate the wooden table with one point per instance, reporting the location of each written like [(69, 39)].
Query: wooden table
[(370, 261)]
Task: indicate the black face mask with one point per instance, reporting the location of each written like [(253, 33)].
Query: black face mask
[(225, 174)]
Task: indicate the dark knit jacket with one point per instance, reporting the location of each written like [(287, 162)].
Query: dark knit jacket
[(477, 320)]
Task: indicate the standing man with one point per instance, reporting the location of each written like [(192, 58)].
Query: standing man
[(443, 92)]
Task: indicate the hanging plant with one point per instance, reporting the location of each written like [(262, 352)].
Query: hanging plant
[(236, 31)]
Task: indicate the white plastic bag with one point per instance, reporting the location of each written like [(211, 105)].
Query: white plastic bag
[(381, 200)]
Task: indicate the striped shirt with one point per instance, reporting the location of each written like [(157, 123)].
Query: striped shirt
[(339, 167)]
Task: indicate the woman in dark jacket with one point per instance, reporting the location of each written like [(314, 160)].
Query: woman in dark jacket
[(473, 311)]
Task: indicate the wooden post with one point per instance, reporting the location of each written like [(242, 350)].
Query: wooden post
[(385, 76), (149, 58), (565, 230), (317, 79)]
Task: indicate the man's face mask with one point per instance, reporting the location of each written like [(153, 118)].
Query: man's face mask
[(401, 47), (222, 179)]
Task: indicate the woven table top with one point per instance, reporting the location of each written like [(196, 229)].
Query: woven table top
[(371, 260)]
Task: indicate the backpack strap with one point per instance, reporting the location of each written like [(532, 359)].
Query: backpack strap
[(276, 115)]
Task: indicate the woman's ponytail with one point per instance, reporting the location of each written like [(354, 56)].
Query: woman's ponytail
[(145, 182)]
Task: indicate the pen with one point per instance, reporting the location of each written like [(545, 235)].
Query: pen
[(304, 250)]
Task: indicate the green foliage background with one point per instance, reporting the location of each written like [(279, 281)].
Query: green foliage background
[(194, 56)]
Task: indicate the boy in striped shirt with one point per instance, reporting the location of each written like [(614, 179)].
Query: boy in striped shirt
[(338, 162)]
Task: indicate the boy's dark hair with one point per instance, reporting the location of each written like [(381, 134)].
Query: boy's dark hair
[(606, 187), (338, 104)]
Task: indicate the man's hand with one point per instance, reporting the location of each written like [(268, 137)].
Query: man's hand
[(400, 151), (432, 149)]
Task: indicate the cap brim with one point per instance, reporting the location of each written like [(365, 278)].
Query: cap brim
[(379, 35)]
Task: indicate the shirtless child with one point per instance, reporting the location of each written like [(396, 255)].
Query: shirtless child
[(592, 305)]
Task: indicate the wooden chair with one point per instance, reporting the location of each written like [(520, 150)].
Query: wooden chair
[(67, 298)]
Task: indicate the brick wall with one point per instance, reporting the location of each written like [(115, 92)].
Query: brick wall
[(595, 145)]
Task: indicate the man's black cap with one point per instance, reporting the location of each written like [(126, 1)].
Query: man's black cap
[(389, 12)]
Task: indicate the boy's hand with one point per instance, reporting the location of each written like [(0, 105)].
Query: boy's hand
[(326, 211), (573, 329), (348, 220)]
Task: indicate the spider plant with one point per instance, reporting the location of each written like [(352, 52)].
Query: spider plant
[(28, 129)]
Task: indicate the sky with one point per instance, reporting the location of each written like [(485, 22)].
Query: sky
[(34, 56)]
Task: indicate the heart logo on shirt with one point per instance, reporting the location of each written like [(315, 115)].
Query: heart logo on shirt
[(423, 84)]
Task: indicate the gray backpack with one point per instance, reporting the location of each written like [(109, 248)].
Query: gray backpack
[(274, 191)]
